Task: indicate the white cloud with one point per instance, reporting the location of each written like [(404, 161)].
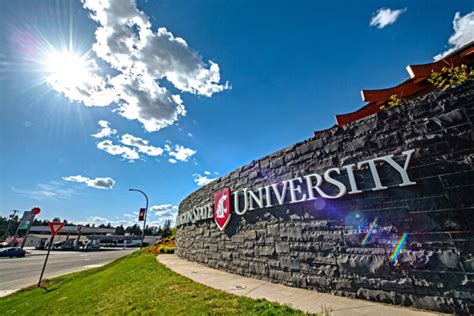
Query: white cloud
[(131, 147), (99, 183), (95, 219), (49, 190), (180, 153), (141, 144), (105, 130), (142, 58), (163, 213), (160, 220), (130, 219), (98, 220), (202, 180), (124, 151), (463, 33), (163, 208), (207, 172), (385, 16)]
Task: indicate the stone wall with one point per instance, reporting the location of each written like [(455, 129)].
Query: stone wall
[(318, 244)]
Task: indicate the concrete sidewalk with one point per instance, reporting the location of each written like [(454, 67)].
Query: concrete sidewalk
[(305, 300)]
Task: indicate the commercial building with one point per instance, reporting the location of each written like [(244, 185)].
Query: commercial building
[(82, 237)]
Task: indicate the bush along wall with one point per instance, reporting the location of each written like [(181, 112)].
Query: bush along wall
[(381, 209)]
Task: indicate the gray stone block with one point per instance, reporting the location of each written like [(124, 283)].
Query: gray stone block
[(319, 244)]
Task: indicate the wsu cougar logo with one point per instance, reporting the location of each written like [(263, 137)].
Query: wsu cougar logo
[(222, 208)]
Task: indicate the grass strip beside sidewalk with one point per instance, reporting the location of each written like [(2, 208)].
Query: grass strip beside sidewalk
[(135, 284)]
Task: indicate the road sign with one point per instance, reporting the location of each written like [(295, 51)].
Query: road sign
[(25, 224), (55, 227), (35, 211), (25, 220), (141, 215)]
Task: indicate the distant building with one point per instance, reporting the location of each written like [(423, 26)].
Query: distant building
[(77, 237)]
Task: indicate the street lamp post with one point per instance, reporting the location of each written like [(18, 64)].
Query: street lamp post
[(146, 212), (9, 223)]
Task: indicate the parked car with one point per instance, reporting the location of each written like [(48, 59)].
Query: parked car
[(12, 252)]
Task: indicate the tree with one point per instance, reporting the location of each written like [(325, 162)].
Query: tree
[(150, 231), (134, 230), (160, 231), (119, 230), (167, 228)]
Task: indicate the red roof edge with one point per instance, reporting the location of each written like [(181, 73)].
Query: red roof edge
[(412, 87)]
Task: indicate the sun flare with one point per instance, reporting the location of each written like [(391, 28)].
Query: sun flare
[(76, 76), (67, 68)]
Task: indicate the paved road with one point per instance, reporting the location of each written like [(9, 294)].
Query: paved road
[(17, 273)]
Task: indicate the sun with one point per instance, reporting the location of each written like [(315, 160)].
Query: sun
[(67, 68), (76, 76)]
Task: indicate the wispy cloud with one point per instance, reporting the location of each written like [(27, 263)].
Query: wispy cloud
[(463, 33), (385, 16), (202, 180), (99, 220), (98, 183), (105, 130), (163, 208), (95, 219), (49, 190), (157, 217)]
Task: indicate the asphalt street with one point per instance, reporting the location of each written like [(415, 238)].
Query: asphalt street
[(17, 273)]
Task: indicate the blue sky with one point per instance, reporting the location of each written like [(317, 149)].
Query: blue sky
[(253, 78)]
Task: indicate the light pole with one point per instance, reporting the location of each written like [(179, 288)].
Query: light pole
[(146, 211), (9, 223)]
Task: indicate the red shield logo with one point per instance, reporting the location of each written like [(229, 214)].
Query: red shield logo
[(222, 208)]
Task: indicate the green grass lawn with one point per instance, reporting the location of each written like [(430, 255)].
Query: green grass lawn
[(135, 284)]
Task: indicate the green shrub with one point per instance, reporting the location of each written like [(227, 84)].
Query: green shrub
[(164, 245)]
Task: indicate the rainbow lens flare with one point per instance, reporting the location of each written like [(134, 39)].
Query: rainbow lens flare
[(399, 247), (369, 232)]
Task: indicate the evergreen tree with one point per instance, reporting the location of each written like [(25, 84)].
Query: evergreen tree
[(119, 230), (167, 228)]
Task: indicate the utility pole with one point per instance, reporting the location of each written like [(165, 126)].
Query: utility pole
[(9, 223), (146, 212)]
